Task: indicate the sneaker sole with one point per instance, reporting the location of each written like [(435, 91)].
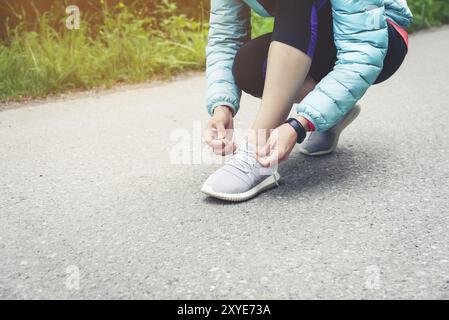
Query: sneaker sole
[(345, 123), (266, 184)]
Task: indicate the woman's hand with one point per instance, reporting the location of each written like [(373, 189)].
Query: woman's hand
[(219, 132), (281, 142)]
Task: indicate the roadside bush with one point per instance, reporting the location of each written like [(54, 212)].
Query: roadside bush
[(127, 46), (121, 41)]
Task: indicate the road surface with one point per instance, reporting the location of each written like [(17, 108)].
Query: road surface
[(97, 199)]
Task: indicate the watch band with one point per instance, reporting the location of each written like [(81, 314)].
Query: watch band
[(301, 132)]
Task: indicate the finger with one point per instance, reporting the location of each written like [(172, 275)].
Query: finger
[(264, 151), (265, 161), (220, 152), (223, 147), (271, 161), (208, 137), (221, 131), (209, 134), (218, 148), (271, 143), (229, 148), (234, 147), (278, 156), (218, 144), (273, 158)]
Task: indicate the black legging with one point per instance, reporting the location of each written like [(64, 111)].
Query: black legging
[(308, 26)]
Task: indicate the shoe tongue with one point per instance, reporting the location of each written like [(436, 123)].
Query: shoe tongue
[(248, 147), (245, 155)]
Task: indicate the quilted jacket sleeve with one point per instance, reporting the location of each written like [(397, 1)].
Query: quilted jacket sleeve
[(230, 28), (361, 38)]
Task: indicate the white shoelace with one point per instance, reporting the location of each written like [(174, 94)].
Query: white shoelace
[(245, 161)]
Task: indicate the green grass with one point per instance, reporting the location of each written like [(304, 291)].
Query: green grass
[(123, 45), (429, 13), (260, 25), (125, 48)]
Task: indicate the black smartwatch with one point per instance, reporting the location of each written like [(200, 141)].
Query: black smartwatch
[(300, 131)]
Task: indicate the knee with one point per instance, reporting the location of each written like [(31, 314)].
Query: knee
[(244, 72), (250, 66)]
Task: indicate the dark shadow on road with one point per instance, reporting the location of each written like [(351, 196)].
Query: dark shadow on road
[(304, 173)]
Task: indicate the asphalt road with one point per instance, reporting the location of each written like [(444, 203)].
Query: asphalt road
[(93, 204)]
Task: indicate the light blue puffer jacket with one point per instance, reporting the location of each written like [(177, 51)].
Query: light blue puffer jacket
[(361, 38)]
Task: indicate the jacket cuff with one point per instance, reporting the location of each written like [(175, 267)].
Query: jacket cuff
[(311, 119), (224, 101)]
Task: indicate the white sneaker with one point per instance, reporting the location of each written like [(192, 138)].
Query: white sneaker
[(322, 143), (241, 178)]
